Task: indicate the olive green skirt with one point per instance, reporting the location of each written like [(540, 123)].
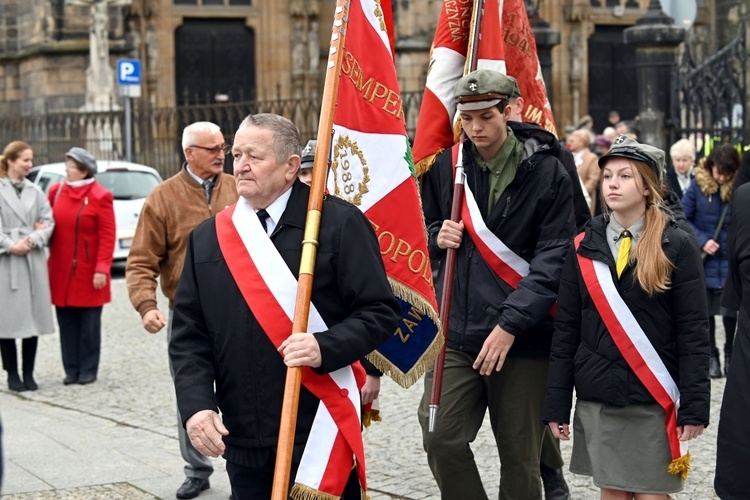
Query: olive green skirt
[(623, 448)]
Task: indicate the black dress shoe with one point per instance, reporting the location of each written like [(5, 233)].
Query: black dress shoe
[(70, 379), (86, 379), (192, 487), (555, 487)]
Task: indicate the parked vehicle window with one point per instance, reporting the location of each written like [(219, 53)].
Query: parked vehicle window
[(127, 184), (49, 178)]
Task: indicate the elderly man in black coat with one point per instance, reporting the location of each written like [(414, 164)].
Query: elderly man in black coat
[(232, 321)]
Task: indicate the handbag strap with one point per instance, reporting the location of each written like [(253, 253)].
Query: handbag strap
[(721, 222)]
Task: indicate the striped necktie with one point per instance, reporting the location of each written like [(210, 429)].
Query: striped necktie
[(208, 187), (623, 254)]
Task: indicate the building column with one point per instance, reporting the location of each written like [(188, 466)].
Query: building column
[(655, 39)]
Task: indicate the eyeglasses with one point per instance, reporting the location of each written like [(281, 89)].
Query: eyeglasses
[(225, 148)]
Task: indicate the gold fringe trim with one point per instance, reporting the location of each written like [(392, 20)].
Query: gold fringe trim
[(680, 466), (422, 166), (371, 416), (427, 359), (303, 492)]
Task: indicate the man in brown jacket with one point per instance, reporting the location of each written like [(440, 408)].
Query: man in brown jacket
[(199, 191)]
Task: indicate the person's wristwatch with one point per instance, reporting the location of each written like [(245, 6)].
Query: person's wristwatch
[(31, 243)]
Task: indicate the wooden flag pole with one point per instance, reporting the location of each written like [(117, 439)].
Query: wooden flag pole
[(290, 404), (450, 256)]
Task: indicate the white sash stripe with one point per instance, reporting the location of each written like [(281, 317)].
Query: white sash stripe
[(490, 239), (283, 286), (635, 332)]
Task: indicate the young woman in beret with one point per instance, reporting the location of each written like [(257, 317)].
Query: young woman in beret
[(631, 337)]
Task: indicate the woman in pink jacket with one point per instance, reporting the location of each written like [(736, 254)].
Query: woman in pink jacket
[(80, 262)]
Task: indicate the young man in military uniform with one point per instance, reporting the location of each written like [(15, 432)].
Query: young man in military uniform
[(518, 198)]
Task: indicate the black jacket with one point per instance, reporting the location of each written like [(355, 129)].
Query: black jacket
[(534, 218), (732, 482), (215, 336), (675, 321)]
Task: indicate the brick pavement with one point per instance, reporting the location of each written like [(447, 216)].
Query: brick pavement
[(131, 409)]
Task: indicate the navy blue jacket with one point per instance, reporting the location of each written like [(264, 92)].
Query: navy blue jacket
[(703, 203)]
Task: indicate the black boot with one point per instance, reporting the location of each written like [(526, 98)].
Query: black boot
[(10, 364), (727, 359), (29, 382), (555, 487), (28, 349), (714, 367), (15, 383)]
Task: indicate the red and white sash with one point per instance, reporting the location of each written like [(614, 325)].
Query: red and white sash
[(508, 266), (504, 262), (269, 288), (637, 350)]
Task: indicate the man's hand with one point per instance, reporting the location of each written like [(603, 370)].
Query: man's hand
[(100, 280), (560, 431), (205, 430), (370, 390), (494, 351), (450, 234), (688, 432), (301, 349), (153, 321)]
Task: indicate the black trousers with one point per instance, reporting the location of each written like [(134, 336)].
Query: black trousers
[(80, 339), (249, 483)]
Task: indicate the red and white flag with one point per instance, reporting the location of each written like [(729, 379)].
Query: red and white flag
[(522, 63), (371, 167), (506, 44)]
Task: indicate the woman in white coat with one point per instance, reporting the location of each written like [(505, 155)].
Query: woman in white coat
[(26, 225)]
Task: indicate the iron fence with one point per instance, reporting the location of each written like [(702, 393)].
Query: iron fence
[(157, 132), (709, 100)]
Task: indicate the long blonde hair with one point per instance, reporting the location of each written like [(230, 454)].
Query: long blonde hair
[(653, 269), (11, 152)]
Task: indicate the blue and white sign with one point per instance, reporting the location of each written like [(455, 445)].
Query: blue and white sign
[(128, 72)]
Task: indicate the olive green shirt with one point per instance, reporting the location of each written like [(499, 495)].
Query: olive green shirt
[(502, 167)]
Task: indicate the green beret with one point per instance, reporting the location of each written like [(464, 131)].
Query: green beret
[(482, 89)]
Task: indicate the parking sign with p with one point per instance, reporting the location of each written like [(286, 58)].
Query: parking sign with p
[(128, 72)]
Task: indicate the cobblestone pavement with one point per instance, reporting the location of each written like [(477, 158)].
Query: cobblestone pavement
[(135, 396)]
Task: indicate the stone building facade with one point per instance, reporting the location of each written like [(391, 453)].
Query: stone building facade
[(203, 51)]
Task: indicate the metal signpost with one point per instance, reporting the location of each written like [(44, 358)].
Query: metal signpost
[(129, 82)]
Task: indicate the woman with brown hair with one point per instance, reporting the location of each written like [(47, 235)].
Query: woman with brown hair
[(80, 263), (630, 337), (707, 209), (26, 225)]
